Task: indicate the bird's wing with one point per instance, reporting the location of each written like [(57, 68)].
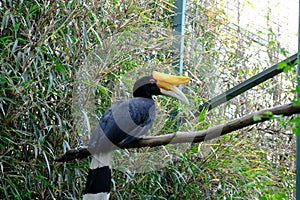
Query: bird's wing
[(122, 123), (142, 114)]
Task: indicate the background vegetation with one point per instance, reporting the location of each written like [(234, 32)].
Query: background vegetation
[(64, 62)]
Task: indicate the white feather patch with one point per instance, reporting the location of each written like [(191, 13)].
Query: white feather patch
[(101, 160), (99, 196)]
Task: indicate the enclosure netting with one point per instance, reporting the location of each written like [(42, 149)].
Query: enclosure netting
[(226, 42)]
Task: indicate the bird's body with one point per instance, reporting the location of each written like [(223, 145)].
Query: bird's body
[(123, 123)]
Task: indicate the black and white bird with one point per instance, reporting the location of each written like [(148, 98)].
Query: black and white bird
[(123, 123)]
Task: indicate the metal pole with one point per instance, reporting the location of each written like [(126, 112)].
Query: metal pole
[(178, 44), (247, 84), (298, 136)]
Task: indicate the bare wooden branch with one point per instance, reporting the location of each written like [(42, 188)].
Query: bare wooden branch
[(184, 137)]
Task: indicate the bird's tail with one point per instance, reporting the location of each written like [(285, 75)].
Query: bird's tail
[(99, 177)]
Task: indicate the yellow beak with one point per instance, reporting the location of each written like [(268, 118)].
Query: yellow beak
[(167, 84)]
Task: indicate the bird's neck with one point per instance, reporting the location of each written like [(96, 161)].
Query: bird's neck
[(147, 97), (143, 92)]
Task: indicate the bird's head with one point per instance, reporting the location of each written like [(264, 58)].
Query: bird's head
[(160, 83)]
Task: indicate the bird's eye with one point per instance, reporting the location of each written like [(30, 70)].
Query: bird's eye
[(152, 81)]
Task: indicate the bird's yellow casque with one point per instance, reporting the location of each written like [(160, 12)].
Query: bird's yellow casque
[(167, 83), (171, 79)]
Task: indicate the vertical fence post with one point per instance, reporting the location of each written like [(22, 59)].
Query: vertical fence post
[(178, 45), (298, 136)]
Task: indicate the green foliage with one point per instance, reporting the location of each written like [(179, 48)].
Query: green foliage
[(36, 86), (64, 62), (265, 115), (50, 49), (232, 169), (284, 66)]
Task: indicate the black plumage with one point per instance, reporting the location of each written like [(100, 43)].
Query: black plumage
[(125, 121)]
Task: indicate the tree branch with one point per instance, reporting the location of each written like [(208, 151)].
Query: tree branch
[(184, 137)]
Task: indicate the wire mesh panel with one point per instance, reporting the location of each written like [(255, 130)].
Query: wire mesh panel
[(63, 63)]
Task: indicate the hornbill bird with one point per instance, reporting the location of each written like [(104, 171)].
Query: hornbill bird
[(123, 123)]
